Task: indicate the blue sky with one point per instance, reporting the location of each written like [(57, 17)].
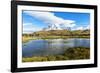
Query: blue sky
[(37, 20), (80, 18)]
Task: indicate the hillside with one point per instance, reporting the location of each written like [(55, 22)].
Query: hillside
[(62, 33), (56, 34)]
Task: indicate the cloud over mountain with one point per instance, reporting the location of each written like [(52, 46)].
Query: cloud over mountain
[(51, 19)]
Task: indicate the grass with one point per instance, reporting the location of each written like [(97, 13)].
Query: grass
[(56, 34), (28, 38), (70, 54), (62, 37)]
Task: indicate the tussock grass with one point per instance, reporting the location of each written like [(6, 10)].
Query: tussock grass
[(70, 54)]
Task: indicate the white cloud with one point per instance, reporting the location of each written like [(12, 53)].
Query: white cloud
[(81, 27), (50, 19), (87, 27), (29, 28)]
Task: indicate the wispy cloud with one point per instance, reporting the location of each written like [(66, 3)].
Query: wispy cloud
[(29, 28), (51, 19)]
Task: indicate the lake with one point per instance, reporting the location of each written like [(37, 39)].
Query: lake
[(52, 46)]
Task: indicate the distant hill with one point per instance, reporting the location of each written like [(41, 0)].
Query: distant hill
[(62, 33)]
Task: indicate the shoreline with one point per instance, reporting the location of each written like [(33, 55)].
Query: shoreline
[(26, 39), (76, 53)]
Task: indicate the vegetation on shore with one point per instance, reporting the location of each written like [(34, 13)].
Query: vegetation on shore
[(70, 54), (26, 39), (56, 34)]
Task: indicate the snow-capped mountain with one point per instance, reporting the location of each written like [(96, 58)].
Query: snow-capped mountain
[(56, 27)]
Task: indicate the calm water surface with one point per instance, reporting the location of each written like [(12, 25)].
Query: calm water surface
[(52, 46)]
